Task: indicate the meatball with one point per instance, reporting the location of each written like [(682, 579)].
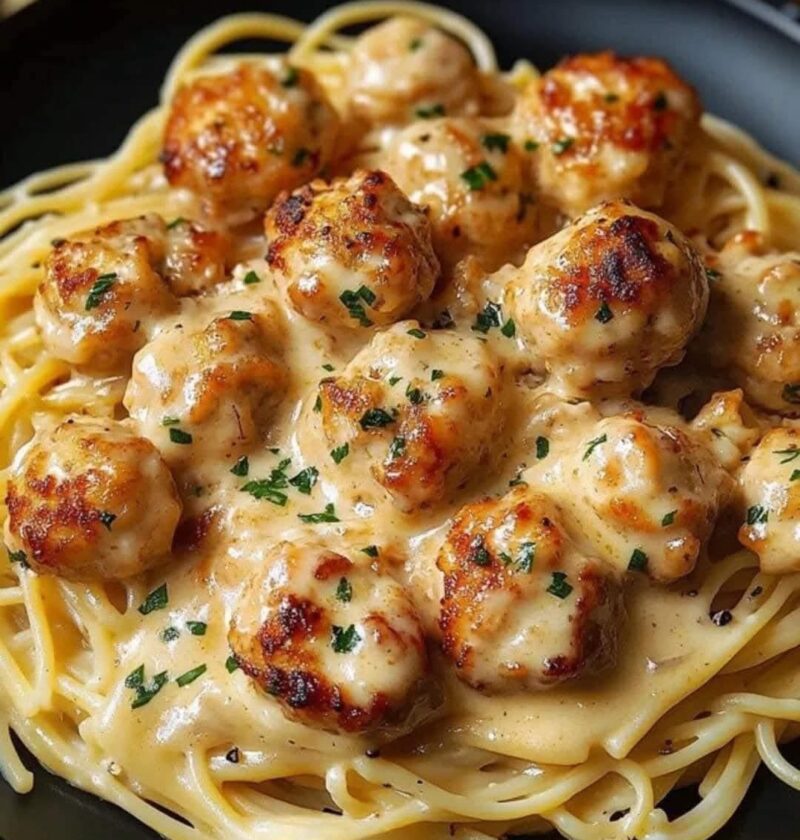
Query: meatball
[(523, 609), (753, 328), (404, 67), (770, 485), (602, 127), (473, 183), (195, 258), (335, 641), (353, 253), (417, 409), (646, 496), (209, 389), (728, 426), (239, 138), (608, 300), (90, 500)]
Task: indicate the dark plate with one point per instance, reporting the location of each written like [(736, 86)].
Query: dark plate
[(75, 76)]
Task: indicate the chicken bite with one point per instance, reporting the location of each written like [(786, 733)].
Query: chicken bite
[(352, 253), (602, 127), (608, 301), (523, 609), (335, 641), (90, 500), (238, 138)]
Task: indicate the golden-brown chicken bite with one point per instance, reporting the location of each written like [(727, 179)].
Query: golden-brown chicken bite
[(523, 609), (352, 253), (753, 330), (208, 391), (646, 496), (405, 67), (608, 300), (195, 257), (239, 138), (770, 485), (418, 410), (90, 500), (335, 641), (474, 184), (603, 127)]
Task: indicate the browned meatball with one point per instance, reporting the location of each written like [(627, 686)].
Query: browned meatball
[(352, 253), (239, 138), (523, 609), (91, 501), (337, 642)]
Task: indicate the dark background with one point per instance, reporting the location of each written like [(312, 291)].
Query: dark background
[(75, 74)]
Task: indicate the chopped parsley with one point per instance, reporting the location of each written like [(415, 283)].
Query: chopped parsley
[(478, 176), (344, 591), (329, 367), (179, 436), (660, 102), (305, 480), (375, 418), (170, 421), (370, 551), (530, 145), (611, 97), (604, 313), (169, 634), (712, 274), (156, 600), (178, 220), (428, 112), (231, 664), (414, 44), (479, 554), (527, 554), (396, 448), (344, 640), (559, 585), (593, 444), (107, 518), (318, 404), (271, 488), (241, 467), (197, 628), (509, 329), (340, 453), (496, 141), (542, 447), (668, 519), (18, 557), (191, 676), (144, 693), (240, 315), (490, 316), (99, 289), (291, 77), (354, 301), (250, 278), (436, 374), (415, 333), (415, 395), (561, 146), (328, 515), (791, 393), (517, 480), (638, 561), (393, 380), (789, 454), (795, 475), (757, 515)]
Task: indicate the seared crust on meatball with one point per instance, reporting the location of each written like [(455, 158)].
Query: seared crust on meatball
[(352, 253), (239, 138), (770, 485), (523, 609), (418, 410), (336, 642), (645, 495), (474, 185), (91, 501), (217, 383), (404, 66), (609, 300), (752, 333), (607, 127)]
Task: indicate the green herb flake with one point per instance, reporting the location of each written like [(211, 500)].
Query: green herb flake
[(329, 367), (604, 313), (478, 553), (18, 556), (190, 676), (231, 664), (170, 421), (344, 640), (509, 329), (562, 145), (559, 585), (527, 554), (354, 301), (757, 515), (496, 142), (788, 454), (668, 519), (542, 447), (170, 634), (415, 333), (414, 44), (197, 628), (436, 374), (375, 418), (428, 112), (530, 145), (415, 395), (712, 274), (179, 436), (290, 79), (396, 448), (393, 380), (795, 475), (638, 561), (145, 693), (478, 176), (241, 467), (99, 290), (370, 551), (328, 515), (178, 220), (107, 519), (305, 480), (344, 590), (490, 316), (318, 404), (156, 600), (340, 453), (251, 278), (240, 315), (592, 445), (611, 97), (271, 488), (136, 678)]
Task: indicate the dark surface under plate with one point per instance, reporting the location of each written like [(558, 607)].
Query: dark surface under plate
[(75, 76)]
